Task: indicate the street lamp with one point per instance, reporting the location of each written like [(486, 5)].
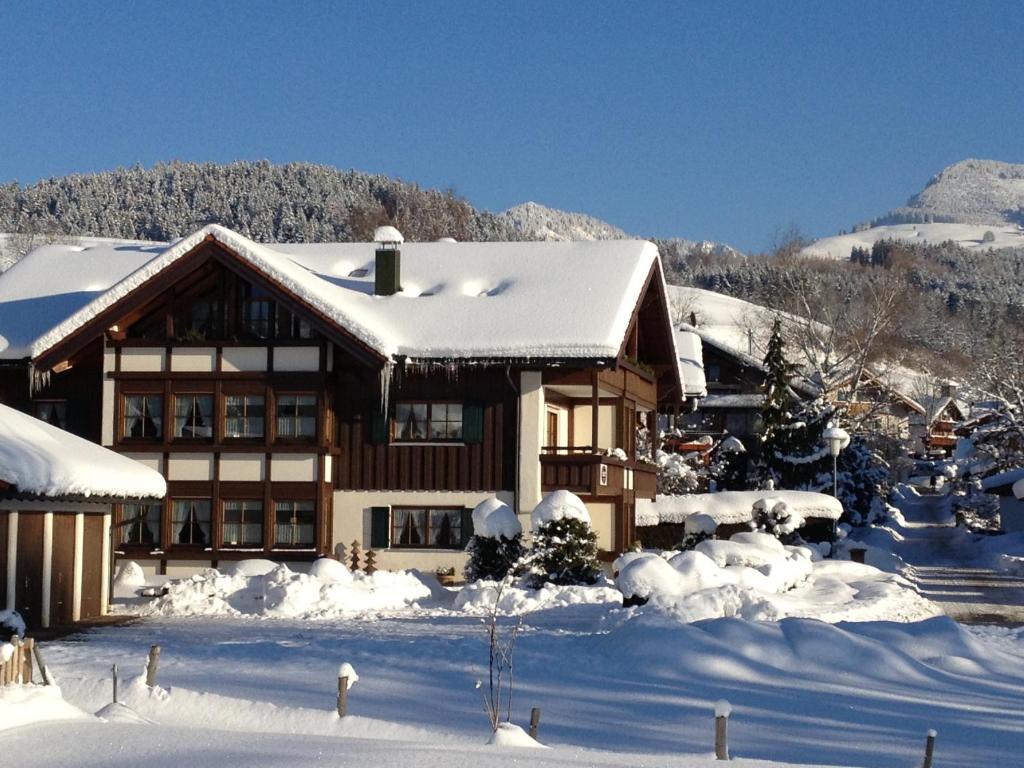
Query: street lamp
[(837, 439)]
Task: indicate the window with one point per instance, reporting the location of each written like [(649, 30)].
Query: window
[(714, 371), (243, 416), (193, 416), (295, 524), (257, 313), (199, 318), (296, 416), (143, 416), (290, 326), (190, 521), (53, 412), (141, 524), (243, 524), (428, 421), (437, 528)]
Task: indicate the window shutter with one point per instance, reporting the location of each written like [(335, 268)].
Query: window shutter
[(472, 423), (378, 428), (380, 527), (467, 526)]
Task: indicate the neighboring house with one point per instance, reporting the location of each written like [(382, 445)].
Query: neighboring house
[(302, 397), (1009, 487), (879, 406), (57, 493)]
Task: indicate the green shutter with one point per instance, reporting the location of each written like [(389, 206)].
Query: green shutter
[(380, 527), (467, 526), (472, 423), (378, 428)]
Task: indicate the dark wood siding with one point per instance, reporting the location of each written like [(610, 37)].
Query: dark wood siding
[(62, 578), (92, 567), (488, 465), (4, 527), (28, 597)]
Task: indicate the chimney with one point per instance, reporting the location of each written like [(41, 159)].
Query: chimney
[(387, 271)]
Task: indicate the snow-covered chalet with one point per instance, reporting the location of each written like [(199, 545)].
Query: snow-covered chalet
[(301, 397)]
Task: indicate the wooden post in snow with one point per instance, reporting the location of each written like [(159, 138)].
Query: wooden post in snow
[(342, 696), (534, 722), (929, 748), (722, 711), (43, 671), (113, 673), (151, 665)]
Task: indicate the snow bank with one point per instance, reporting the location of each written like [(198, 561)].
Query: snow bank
[(733, 507), (26, 704), (479, 597), (753, 576), (130, 576), (328, 591), (557, 506), (493, 519), (38, 458), (511, 735)]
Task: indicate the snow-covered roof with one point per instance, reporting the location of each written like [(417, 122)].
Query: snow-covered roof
[(41, 460), (691, 363), (1008, 478), (752, 400), (732, 507), (458, 300)]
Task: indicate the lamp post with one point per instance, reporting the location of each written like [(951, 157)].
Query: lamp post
[(837, 439)]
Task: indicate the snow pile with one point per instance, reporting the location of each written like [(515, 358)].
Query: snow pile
[(479, 597), (733, 507), (559, 505), (26, 704), (700, 525), (494, 519), (511, 735), (119, 712), (38, 458), (327, 591), (129, 578), (754, 576)]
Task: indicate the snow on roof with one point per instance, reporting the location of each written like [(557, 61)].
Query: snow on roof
[(388, 235), (753, 400), (1009, 477), (733, 507), (458, 300), (40, 459), (691, 363)]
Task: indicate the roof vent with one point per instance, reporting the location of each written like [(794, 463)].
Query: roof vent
[(387, 272)]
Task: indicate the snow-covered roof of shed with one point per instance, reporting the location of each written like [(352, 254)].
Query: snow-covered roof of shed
[(458, 300), (41, 460), (733, 507), (1007, 478), (691, 363)]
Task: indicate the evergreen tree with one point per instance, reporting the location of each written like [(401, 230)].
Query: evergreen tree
[(564, 552), (492, 557)]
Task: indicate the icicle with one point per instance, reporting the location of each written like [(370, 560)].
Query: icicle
[(385, 385), (37, 380)]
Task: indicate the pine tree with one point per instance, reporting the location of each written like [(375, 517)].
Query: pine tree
[(564, 552)]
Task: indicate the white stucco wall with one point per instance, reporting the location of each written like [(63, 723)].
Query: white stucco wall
[(532, 426)]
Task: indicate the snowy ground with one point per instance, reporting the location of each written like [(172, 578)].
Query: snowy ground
[(970, 236)]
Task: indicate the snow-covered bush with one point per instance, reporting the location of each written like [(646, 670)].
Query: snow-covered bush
[(675, 476), (564, 546), (773, 516), (730, 466), (863, 480), (698, 528), (496, 545)]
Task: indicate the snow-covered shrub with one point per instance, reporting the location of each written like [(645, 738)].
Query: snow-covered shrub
[(698, 528), (11, 624), (675, 476), (730, 466), (773, 516), (863, 480), (496, 545), (564, 546)]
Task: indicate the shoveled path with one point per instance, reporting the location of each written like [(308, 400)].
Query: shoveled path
[(965, 591)]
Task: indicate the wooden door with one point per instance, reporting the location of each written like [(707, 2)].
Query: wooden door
[(28, 585), (92, 567), (62, 572), (4, 528), (552, 436)]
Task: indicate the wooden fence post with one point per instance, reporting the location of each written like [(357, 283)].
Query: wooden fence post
[(371, 562), (113, 672), (342, 696), (43, 671), (929, 748), (722, 711), (534, 722), (151, 665), (355, 555), (26, 660)]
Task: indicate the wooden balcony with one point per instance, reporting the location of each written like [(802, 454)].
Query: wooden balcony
[(586, 473)]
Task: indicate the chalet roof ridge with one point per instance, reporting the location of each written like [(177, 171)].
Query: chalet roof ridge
[(466, 300)]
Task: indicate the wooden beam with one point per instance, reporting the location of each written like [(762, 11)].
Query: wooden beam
[(595, 406)]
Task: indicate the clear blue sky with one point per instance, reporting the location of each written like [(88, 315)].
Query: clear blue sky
[(715, 120)]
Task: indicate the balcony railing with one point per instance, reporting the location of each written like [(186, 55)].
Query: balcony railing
[(588, 473)]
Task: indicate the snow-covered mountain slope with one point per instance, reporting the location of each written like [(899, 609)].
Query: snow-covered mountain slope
[(969, 192), (538, 222), (970, 236)]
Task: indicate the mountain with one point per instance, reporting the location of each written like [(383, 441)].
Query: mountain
[(534, 221), (969, 192)]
